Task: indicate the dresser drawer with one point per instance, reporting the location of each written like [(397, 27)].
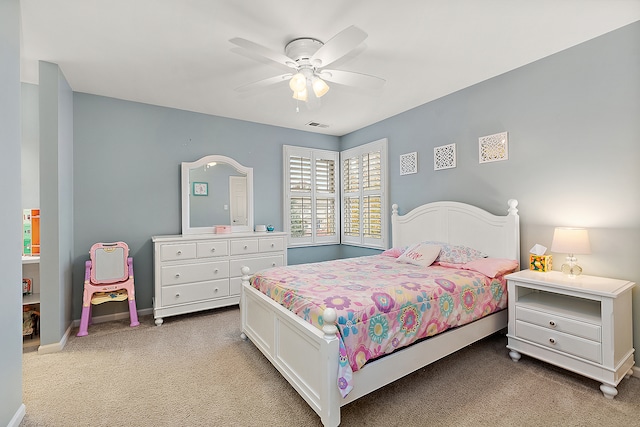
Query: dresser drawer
[(559, 341), (558, 323), (255, 264), (211, 249), (186, 273), (235, 285), (239, 247), (177, 251), (182, 294), (271, 244)]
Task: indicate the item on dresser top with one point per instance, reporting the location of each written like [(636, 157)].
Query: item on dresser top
[(270, 228), (261, 228), (108, 276), (222, 229)]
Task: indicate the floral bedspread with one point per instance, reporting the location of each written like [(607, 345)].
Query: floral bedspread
[(382, 304)]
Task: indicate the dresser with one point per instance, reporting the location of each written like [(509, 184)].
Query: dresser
[(582, 324), (194, 272)]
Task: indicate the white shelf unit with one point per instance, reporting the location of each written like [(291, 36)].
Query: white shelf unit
[(31, 269)]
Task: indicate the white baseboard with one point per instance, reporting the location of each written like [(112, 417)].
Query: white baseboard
[(636, 371), (58, 346), (17, 418), (115, 316)]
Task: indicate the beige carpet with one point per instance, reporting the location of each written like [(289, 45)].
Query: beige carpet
[(196, 371)]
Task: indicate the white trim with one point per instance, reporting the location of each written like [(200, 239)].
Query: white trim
[(56, 347), (18, 416)]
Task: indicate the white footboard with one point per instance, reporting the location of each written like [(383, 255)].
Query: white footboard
[(304, 355)]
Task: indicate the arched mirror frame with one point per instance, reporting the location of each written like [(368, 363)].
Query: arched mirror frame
[(186, 191)]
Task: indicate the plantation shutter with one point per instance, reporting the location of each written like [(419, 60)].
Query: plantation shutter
[(311, 205), (364, 195)]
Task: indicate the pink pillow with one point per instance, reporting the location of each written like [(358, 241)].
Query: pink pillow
[(420, 254), (394, 252), (491, 267), (448, 264)]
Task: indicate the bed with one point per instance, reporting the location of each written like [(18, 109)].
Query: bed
[(311, 354)]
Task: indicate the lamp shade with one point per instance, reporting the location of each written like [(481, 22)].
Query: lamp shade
[(320, 87), (569, 240), (298, 82)]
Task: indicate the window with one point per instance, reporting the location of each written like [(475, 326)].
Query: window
[(311, 199), (364, 195)]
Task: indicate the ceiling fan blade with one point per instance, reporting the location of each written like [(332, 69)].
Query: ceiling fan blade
[(341, 44), (263, 51), (350, 78), (263, 83)]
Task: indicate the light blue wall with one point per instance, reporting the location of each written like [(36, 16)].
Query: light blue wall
[(127, 159), (11, 408), (574, 148), (30, 147), (55, 100)]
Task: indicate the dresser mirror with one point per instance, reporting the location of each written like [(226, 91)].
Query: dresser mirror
[(216, 191)]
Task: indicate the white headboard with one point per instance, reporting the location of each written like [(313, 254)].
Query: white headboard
[(460, 224)]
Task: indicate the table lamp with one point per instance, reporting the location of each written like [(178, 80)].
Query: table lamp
[(571, 241)]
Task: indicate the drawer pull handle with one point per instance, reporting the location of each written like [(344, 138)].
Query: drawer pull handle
[(245, 246), (552, 323), (273, 264), (216, 270), (273, 245), (215, 290), (179, 253), (213, 249), (177, 275), (178, 295), (552, 340)]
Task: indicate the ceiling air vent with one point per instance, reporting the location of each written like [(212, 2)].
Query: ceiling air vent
[(317, 125)]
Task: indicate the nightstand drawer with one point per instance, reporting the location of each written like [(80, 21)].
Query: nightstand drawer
[(560, 324), (559, 341)]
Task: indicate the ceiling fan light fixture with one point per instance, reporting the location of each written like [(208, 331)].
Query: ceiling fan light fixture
[(300, 95), (320, 87), (298, 82)]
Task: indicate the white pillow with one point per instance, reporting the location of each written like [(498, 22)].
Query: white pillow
[(420, 254)]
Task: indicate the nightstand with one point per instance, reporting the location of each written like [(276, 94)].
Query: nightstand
[(581, 324)]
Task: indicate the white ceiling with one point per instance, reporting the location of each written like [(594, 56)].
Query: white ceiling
[(176, 53)]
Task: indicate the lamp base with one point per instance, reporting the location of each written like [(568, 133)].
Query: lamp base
[(571, 268)]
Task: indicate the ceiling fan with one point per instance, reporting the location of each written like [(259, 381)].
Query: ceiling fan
[(308, 57)]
